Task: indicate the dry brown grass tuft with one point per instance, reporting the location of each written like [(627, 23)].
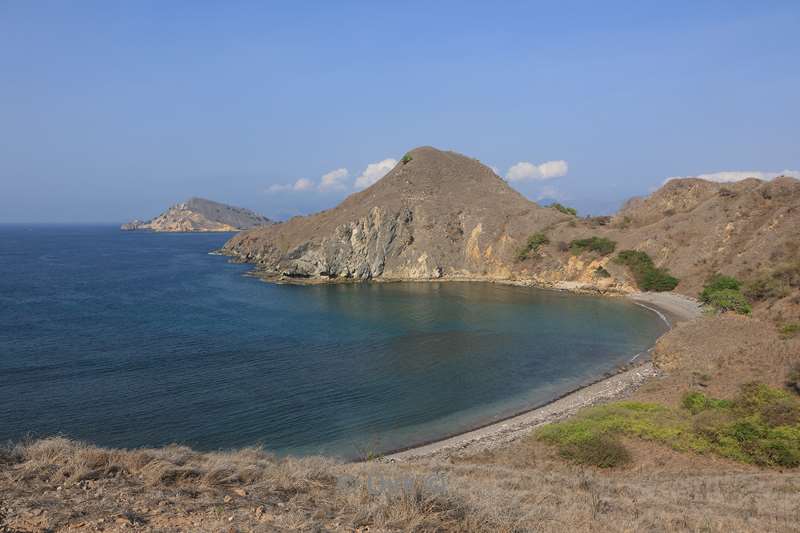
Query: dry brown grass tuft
[(525, 486), (58, 484)]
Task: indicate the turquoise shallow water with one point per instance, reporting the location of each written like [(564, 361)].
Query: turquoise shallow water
[(134, 339)]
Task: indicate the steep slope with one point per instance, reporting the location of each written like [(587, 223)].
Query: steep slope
[(697, 228), (439, 215), (198, 214)]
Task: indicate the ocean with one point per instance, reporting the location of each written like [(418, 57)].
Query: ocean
[(131, 339)]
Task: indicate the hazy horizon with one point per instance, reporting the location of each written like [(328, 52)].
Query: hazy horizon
[(115, 111)]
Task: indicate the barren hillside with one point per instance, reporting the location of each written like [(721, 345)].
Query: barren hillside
[(441, 215)]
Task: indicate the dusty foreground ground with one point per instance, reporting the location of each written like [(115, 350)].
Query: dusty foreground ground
[(524, 485)]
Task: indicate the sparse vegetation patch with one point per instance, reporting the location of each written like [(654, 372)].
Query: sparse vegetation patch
[(534, 242), (564, 209), (765, 288), (774, 284), (601, 245), (760, 426), (794, 378), (648, 277), (601, 272), (406, 159), (790, 330), (788, 273)]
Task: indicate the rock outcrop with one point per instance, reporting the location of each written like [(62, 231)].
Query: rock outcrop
[(199, 215), (437, 215)]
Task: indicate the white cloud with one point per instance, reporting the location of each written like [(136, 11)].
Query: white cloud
[(553, 169), (333, 180), (374, 172), (302, 184), (544, 171), (730, 176)]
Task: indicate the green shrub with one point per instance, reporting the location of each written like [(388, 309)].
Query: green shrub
[(602, 451), (634, 259), (534, 242), (647, 276), (760, 426), (729, 300), (697, 401), (564, 209), (600, 245), (406, 159), (723, 294), (659, 280), (718, 282)]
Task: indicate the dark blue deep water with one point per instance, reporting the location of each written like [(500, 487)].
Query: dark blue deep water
[(134, 339)]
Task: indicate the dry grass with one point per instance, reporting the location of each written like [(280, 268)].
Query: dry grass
[(57, 484), (60, 485)]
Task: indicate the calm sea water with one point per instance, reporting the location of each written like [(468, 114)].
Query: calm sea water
[(134, 339)]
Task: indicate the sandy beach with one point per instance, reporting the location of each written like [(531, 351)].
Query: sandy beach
[(673, 308)]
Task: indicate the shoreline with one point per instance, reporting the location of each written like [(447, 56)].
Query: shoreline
[(672, 308)]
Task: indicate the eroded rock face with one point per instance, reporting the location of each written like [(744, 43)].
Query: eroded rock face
[(440, 215), (199, 215), (357, 249)]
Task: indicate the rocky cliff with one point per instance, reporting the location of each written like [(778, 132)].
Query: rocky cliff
[(437, 215), (441, 215), (198, 214)]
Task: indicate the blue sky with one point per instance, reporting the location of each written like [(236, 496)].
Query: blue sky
[(114, 110)]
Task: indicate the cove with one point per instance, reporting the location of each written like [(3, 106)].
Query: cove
[(140, 339)]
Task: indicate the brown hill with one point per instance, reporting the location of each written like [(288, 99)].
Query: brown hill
[(439, 215), (697, 227), (444, 215)]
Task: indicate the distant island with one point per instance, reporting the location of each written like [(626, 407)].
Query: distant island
[(200, 215)]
